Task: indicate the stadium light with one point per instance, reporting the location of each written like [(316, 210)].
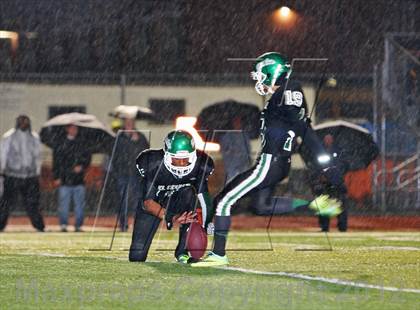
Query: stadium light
[(284, 12), (324, 158), (284, 17), (12, 36), (187, 123)]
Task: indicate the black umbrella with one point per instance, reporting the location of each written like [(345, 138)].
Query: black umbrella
[(354, 141), (96, 137), (133, 111), (222, 115)]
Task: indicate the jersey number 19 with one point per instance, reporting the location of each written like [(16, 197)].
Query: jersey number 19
[(293, 98)]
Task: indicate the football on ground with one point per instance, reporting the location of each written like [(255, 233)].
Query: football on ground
[(196, 241)]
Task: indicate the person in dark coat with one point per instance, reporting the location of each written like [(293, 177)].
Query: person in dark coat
[(130, 143), (320, 184), (70, 162)]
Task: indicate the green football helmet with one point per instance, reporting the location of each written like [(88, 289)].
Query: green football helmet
[(270, 69), (179, 144)]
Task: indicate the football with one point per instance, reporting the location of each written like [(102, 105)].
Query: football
[(196, 240)]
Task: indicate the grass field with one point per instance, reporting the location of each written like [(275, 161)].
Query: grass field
[(56, 270)]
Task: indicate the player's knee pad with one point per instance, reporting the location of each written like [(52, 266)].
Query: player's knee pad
[(137, 255)]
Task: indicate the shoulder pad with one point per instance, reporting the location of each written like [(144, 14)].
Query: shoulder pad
[(294, 85), (149, 159), (206, 162)]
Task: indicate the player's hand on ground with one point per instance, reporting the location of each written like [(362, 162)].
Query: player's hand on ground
[(185, 218)]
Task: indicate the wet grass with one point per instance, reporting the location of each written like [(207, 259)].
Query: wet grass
[(54, 270)]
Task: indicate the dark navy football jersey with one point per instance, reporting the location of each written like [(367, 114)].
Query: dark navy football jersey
[(158, 183), (286, 105), (283, 119)]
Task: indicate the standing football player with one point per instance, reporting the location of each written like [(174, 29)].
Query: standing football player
[(172, 180), (284, 118)]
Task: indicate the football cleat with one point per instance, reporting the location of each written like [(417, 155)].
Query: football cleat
[(324, 205), (183, 258), (211, 260)]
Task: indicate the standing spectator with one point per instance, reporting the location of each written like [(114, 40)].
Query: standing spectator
[(236, 149), (130, 143), (70, 161), (109, 182), (320, 183), (20, 165)]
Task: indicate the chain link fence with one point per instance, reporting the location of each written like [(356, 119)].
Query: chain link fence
[(396, 176)]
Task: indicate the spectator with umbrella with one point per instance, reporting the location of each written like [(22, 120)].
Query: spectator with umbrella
[(20, 166), (73, 138), (353, 140), (351, 147), (70, 162), (320, 184), (232, 124)]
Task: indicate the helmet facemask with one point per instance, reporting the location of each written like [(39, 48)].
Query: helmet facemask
[(269, 69), (179, 145), (180, 171), (260, 87)]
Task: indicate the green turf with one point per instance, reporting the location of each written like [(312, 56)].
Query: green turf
[(55, 270)]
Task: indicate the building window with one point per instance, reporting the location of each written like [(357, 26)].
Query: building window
[(167, 110), (54, 110)]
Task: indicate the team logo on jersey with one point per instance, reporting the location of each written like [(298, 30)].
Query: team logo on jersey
[(170, 189), (141, 171)]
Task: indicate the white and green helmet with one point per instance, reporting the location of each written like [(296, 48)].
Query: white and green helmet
[(179, 144), (269, 69)]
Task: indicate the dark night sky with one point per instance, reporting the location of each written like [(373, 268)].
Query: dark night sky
[(196, 36)]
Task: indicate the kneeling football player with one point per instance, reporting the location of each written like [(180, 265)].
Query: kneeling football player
[(172, 180)]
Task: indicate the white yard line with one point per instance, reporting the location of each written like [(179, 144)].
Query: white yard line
[(273, 273), (392, 248), (42, 254), (322, 279), (401, 238)]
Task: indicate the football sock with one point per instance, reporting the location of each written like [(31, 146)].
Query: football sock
[(221, 229), (182, 241)]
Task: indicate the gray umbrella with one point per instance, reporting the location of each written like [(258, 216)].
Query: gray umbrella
[(134, 112), (96, 137)]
